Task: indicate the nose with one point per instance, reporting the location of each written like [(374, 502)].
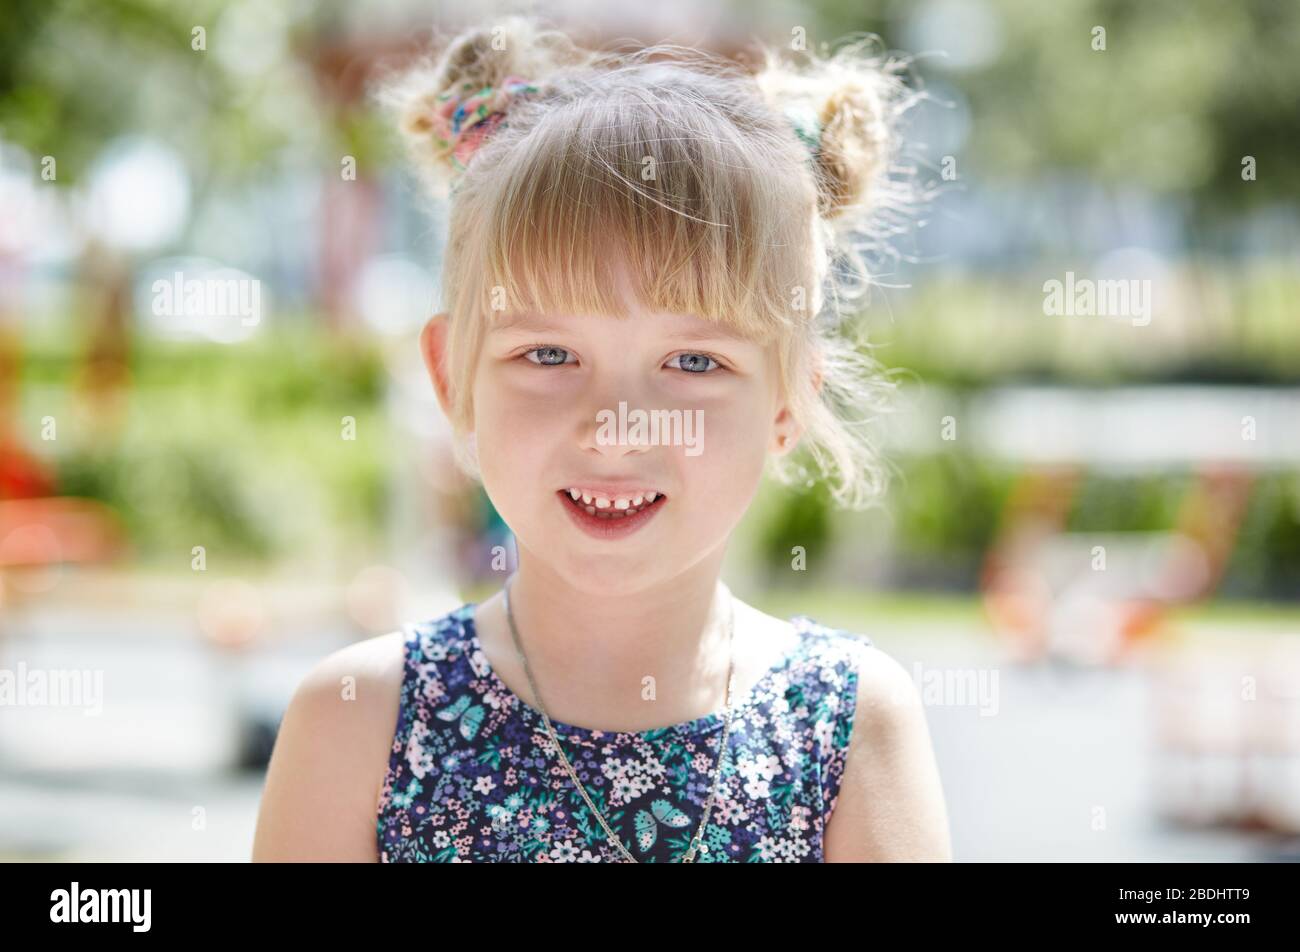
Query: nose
[(606, 422)]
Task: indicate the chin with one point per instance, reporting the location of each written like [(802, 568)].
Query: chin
[(609, 574)]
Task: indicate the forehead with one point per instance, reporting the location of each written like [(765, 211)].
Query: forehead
[(684, 326)]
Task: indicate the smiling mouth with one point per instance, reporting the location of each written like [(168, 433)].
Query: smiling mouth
[(610, 513)]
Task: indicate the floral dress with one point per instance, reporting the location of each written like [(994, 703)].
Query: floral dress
[(473, 776)]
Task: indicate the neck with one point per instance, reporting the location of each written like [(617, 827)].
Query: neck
[(675, 631)]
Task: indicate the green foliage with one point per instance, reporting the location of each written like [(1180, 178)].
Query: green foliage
[(1266, 559), (796, 518), (234, 447), (945, 511), (77, 73), (947, 508), (1182, 90), (1127, 504), (171, 498), (1215, 323)]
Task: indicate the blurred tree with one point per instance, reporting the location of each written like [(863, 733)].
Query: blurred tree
[(1182, 91), (801, 517)]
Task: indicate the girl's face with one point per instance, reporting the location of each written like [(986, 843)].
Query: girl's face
[(547, 393)]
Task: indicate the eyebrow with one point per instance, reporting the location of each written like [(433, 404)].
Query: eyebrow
[(530, 322)]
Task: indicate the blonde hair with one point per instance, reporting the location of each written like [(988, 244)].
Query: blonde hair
[(739, 222)]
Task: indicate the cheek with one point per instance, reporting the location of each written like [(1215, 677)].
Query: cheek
[(517, 390), (734, 449), (514, 431), (736, 430), (506, 409)]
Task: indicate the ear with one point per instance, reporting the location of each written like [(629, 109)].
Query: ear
[(433, 347), (786, 431)]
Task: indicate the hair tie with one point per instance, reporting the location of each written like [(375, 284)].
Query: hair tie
[(807, 127), (463, 122)]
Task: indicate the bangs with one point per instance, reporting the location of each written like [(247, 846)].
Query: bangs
[(595, 213)]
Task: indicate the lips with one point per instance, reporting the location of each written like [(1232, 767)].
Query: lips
[(609, 522)]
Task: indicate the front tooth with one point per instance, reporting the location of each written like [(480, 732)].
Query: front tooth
[(621, 503), (574, 494), (586, 498), (638, 500), (602, 502)]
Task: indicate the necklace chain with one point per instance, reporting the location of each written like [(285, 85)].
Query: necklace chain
[(696, 841)]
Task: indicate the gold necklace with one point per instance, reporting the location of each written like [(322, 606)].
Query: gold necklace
[(696, 841)]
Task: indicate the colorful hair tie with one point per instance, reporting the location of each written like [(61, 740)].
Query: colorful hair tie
[(463, 122)]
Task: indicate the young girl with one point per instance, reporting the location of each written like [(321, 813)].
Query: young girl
[(634, 237)]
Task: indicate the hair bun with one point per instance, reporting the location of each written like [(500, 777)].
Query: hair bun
[(855, 145), (856, 100), (497, 57)]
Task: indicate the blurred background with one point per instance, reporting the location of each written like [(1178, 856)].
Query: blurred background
[(1089, 555)]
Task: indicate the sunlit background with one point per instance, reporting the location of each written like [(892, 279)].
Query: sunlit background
[(1089, 555)]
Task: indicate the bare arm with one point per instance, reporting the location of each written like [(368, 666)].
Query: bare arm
[(891, 806), (320, 801)]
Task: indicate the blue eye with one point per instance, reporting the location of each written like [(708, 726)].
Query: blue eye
[(696, 367), (548, 352), (548, 356)]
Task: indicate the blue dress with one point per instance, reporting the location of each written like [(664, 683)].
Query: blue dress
[(473, 777)]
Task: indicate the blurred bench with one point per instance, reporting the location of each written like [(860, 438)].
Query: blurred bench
[(1114, 594)]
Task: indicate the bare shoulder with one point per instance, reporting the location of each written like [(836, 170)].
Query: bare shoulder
[(890, 806), (321, 796), (887, 695)]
